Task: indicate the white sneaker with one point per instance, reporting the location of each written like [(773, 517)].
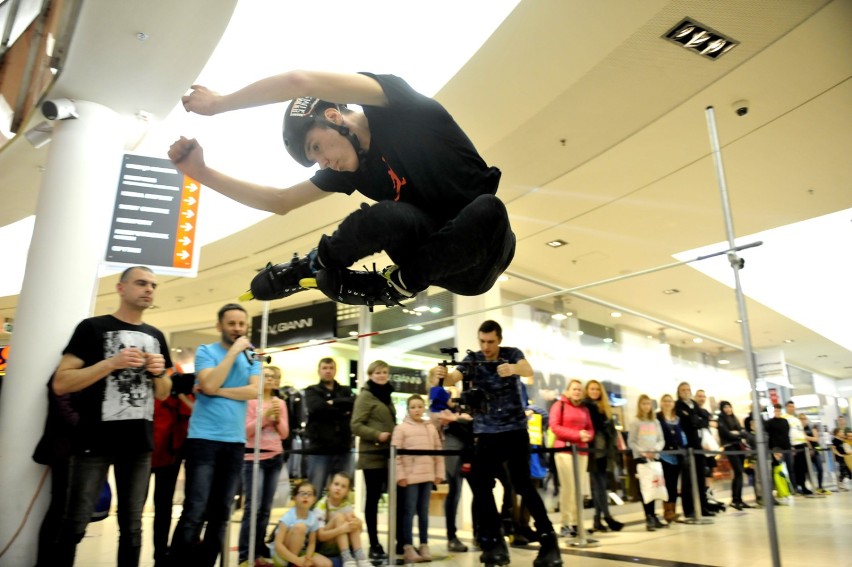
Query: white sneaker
[(351, 563)]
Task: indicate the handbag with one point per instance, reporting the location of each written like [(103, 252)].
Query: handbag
[(652, 483), (708, 442)]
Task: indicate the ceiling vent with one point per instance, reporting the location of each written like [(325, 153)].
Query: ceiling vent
[(700, 39)]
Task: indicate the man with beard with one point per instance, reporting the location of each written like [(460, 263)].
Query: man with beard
[(227, 376)]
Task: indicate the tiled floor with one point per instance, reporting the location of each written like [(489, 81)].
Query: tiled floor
[(812, 531)]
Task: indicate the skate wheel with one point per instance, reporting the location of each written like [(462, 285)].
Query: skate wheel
[(308, 283), (247, 296)]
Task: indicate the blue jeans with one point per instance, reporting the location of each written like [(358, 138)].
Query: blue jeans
[(88, 473), (268, 474), (321, 467), (416, 502), (212, 477)]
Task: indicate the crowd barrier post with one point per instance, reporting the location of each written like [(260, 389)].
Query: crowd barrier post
[(582, 540), (392, 504), (699, 518), (255, 468), (736, 265)]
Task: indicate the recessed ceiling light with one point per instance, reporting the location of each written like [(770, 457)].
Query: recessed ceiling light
[(353, 333), (422, 308), (789, 341), (503, 278), (671, 291), (416, 327), (569, 313), (607, 340), (434, 310), (559, 316), (556, 243), (739, 321), (724, 361), (700, 39), (580, 333), (698, 340), (615, 314)]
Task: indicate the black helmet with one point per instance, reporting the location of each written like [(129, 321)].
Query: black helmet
[(301, 116)]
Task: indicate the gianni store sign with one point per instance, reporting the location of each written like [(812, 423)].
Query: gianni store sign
[(313, 322)]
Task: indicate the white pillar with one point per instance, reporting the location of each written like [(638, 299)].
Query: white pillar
[(69, 239), (466, 338)]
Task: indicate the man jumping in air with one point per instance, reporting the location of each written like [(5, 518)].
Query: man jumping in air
[(435, 214)]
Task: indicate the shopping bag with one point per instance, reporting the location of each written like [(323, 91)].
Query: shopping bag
[(534, 428), (708, 442), (103, 503), (652, 483)]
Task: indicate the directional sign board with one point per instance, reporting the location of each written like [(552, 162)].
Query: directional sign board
[(155, 215)]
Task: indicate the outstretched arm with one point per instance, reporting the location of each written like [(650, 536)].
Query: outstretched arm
[(188, 156), (333, 87)]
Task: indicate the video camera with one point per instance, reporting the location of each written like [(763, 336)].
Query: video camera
[(471, 400)]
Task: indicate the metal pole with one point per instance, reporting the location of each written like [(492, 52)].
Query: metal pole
[(736, 266), (811, 470), (255, 468), (696, 498), (392, 506), (582, 540)]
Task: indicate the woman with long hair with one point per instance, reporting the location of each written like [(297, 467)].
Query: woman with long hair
[(606, 452), (732, 436), (672, 464), (373, 421), (571, 425), (646, 440)]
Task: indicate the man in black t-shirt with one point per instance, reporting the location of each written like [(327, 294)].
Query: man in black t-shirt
[(436, 213), (113, 367)]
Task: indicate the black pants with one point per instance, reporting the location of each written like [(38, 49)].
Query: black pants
[(671, 472), (800, 463), (464, 255), (736, 462), (599, 483), (165, 480), (491, 452), (49, 531)]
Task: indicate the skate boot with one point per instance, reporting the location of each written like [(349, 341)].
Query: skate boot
[(281, 280), (357, 287), (494, 552), (548, 555)]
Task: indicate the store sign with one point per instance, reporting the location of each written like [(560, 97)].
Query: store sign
[(408, 380), (314, 322), (155, 216)]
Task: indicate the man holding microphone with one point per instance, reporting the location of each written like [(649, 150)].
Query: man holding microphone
[(227, 377)]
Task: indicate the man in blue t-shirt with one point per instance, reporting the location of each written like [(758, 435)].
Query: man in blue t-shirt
[(502, 439), (436, 215), (215, 447)]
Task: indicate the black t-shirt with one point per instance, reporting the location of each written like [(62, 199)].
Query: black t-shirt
[(418, 155), (117, 412), (506, 410), (778, 431)]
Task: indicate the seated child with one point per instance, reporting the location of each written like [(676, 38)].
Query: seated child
[(296, 534), (339, 530)]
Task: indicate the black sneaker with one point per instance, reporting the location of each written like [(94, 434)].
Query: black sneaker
[(358, 287), (281, 280), (377, 553), (456, 546)]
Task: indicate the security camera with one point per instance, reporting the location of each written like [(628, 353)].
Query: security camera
[(59, 109), (741, 107)]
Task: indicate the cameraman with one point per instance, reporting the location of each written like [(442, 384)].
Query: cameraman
[(500, 428)]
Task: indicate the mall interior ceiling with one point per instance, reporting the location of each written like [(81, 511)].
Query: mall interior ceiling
[(598, 125)]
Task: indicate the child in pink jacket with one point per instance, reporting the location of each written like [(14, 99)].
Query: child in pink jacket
[(415, 475)]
